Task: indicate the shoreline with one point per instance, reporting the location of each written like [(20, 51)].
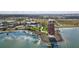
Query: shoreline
[(43, 36)]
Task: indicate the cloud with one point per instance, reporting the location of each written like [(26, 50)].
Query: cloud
[(39, 12)]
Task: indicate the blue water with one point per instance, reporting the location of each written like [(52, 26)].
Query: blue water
[(27, 39), (20, 39), (70, 36)]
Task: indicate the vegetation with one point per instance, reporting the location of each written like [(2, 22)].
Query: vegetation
[(44, 23)]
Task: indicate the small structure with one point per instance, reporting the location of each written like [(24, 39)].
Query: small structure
[(32, 23)]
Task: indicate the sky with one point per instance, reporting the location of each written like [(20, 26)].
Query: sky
[(39, 12)]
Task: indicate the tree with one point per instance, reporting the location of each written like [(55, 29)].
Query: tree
[(5, 24), (20, 20)]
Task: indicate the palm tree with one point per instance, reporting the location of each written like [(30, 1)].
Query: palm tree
[(20, 20), (5, 24)]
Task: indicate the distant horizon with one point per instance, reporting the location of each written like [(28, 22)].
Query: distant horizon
[(39, 12)]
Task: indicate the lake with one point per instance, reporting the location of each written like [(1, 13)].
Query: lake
[(70, 36), (27, 39), (20, 39)]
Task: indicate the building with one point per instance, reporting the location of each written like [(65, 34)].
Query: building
[(51, 33), (51, 27), (32, 23)]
